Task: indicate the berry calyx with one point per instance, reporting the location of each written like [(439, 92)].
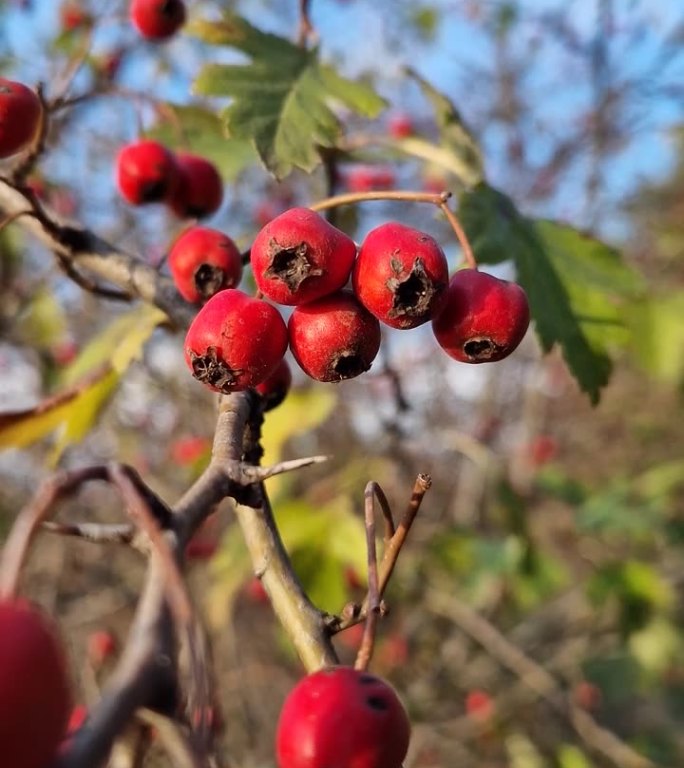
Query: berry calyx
[(275, 387), (157, 19), (334, 338), (35, 696), (200, 189), (20, 111), (400, 275), (341, 717), (299, 257), (204, 261), (146, 172), (235, 341), (482, 319)]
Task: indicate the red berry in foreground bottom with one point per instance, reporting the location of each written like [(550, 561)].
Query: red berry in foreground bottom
[(299, 257), (334, 338), (146, 172), (204, 261), (157, 19), (482, 319), (342, 718), (274, 389), (235, 341), (35, 698), (400, 275), (19, 116), (200, 189)]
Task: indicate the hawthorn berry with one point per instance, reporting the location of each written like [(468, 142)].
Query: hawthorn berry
[(400, 126), (482, 318), (341, 717), (334, 338), (157, 19), (146, 172), (204, 261), (20, 111), (35, 695), (235, 341), (72, 16), (299, 257), (400, 275), (275, 387), (102, 646), (200, 189), (366, 178)]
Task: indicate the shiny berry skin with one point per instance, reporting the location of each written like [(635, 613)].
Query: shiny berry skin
[(200, 191), (400, 275), (273, 390), (146, 172), (35, 695), (334, 338), (20, 112), (204, 261), (157, 19), (299, 257), (482, 319), (341, 717), (235, 341)]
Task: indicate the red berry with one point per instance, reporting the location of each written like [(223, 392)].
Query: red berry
[(157, 19), (334, 338), (275, 387), (146, 172), (102, 645), (72, 16), (78, 716), (482, 319), (203, 262), (299, 257), (200, 189), (479, 706), (20, 111), (235, 341), (256, 592), (400, 275), (342, 718), (35, 697), (400, 126), (190, 449), (366, 178)]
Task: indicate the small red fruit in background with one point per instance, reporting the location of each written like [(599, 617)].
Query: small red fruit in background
[(256, 592), (204, 261), (542, 449), (78, 716), (72, 16), (299, 257), (189, 449), (157, 19), (235, 341), (400, 126), (200, 189), (275, 387), (146, 172), (334, 338), (102, 646), (479, 706), (400, 275), (35, 696), (366, 178), (20, 111), (341, 717), (482, 318), (587, 695)]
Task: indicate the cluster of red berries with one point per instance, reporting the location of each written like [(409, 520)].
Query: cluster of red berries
[(157, 19), (399, 277), (149, 172)]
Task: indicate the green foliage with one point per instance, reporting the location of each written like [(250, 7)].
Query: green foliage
[(281, 99), (577, 286), (658, 335), (200, 130)]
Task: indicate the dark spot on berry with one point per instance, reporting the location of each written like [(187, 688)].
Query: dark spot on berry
[(291, 265), (154, 191), (209, 279), (347, 365), (377, 702), (480, 349), (211, 370), (413, 294)]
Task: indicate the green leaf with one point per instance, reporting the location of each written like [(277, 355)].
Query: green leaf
[(281, 99), (202, 131), (458, 151), (570, 756), (43, 323), (658, 335), (568, 279)]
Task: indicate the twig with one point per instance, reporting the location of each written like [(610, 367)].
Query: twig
[(365, 651), (97, 533)]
